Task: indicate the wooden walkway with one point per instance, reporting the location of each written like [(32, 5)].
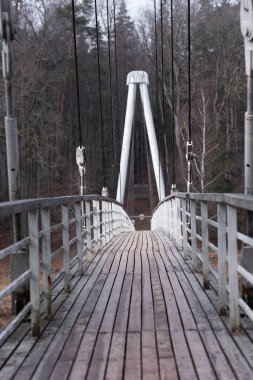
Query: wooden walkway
[(138, 312)]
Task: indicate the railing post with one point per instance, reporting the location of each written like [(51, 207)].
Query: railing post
[(171, 219), (193, 235), (88, 226), (184, 228), (222, 244), (95, 225), (233, 264), (98, 224), (107, 221), (178, 224), (103, 223), (66, 253), (35, 271), (204, 230), (112, 222), (79, 243), (46, 252)]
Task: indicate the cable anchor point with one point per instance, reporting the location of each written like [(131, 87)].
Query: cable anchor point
[(81, 161)]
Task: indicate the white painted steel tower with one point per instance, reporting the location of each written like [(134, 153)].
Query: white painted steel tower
[(140, 78)]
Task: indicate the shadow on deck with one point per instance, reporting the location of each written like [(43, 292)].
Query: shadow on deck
[(138, 312)]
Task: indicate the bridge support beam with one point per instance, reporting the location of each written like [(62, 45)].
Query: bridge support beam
[(133, 79), (126, 142)]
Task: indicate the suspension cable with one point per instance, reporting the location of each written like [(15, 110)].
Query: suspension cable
[(110, 76), (162, 63), (172, 96), (162, 75), (190, 155), (76, 71), (100, 93), (116, 60), (189, 72), (156, 61)]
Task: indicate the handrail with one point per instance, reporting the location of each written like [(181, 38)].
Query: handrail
[(20, 206), (177, 215), (102, 219)]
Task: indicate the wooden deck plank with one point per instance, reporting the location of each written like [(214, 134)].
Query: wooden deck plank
[(133, 357), (135, 306), (113, 301), (150, 365), (137, 313), (236, 360), (99, 359), (168, 369), (96, 314), (115, 365), (66, 317)]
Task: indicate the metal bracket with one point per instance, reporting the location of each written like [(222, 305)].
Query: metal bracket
[(105, 192), (7, 34), (190, 156), (81, 160), (81, 163)]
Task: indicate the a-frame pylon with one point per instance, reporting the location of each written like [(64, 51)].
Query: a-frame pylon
[(140, 78)]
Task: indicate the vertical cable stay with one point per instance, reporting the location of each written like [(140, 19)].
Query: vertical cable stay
[(156, 60), (80, 151), (110, 77), (172, 97), (116, 59), (189, 72), (162, 74), (190, 156), (157, 78), (116, 69), (100, 93), (76, 71)]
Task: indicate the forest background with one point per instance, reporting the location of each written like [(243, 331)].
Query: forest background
[(46, 100)]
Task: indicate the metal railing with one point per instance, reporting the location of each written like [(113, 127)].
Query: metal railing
[(87, 223), (200, 224)]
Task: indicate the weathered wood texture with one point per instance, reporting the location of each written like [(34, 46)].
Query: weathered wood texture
[(137, 312)]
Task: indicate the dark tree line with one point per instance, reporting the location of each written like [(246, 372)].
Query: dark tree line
[(46, 100)]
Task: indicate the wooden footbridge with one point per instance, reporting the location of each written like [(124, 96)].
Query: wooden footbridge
[(128, 305)]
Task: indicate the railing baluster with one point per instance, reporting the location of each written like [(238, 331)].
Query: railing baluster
[(107, 226), (79, 243), (103, 223), (35, 271), (222, 239), (112, 222), (178, 224), (46, 252), (88, 226), (184, 226), (233, 263), (98, 223), (66, 251), (204, 231), (193, 235), (95, 225)]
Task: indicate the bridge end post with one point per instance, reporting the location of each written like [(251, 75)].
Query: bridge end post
[(233, 264), (222, 238), (46, 252), (35, 272)]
